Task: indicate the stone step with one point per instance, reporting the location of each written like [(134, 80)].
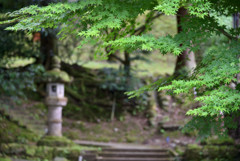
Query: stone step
[(132, 159), (170, 127), (133, 150), (135, 154)]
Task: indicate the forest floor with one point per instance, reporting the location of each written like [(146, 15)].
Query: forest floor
[(130, 129)]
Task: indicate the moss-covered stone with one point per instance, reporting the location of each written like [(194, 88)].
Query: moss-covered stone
[(5, 159), (228, 152), (18, 149), (210, 152), (179, 150), (56, 75), (27, 151), (71, 153), (30, 150), (12, 149), (193, 153), (15, 134), (74, 154), (220, 141), (44, 152), (36, 153), (72, 135), (131, 139), (54, 141)]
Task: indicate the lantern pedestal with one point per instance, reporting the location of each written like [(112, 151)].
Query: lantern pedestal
[(55, 99), (55, 120), (55, 115)]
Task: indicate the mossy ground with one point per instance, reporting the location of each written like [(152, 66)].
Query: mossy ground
[(212, 152), (35, 153), (18, 142), (11, 132), (129, 130), (55, 141)]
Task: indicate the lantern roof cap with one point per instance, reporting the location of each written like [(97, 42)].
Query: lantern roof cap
[(55, 74)]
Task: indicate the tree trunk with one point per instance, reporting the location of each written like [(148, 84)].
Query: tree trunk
[(48, 43), (127, 69), (186, 60), (127, 64), (49, 48), (237, 119)]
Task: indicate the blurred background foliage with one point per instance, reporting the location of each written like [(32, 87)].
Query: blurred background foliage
[(95, 79)]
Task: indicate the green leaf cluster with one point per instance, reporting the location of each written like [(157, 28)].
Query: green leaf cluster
[(112, 22)]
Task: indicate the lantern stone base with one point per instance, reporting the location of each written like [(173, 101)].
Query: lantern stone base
[(55, 115), (55, 121)]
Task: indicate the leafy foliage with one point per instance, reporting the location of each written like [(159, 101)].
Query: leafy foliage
[(117, 82), (15, 81), (16, 45), (212, 83), (93, 19)]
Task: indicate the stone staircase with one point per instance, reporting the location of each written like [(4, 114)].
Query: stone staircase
[(133, 154), (127, 152)]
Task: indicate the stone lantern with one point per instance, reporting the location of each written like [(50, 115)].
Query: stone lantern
[(55, 99)]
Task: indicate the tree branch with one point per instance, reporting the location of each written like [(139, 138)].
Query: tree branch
[(118, 58), (142, 28), (230, 37)]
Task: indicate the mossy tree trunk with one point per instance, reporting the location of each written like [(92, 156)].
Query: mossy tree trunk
[(48, 42), (186, 60), (237, 119)]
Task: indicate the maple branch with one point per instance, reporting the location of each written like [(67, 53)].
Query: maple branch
[(230, 37), (142, 28), (118, 58)]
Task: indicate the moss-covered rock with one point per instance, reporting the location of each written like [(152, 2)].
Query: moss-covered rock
[(44, 152), (179, 150), (36, 153), (5, 159), (210, 152), (14, 133), (27, 151), (193, 153), (220, 141), (12, 149), (72, 135), (33, 152), (54, 141), (131, 139), (30, 150), (228, 152), (56, 75), (71, 153)]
